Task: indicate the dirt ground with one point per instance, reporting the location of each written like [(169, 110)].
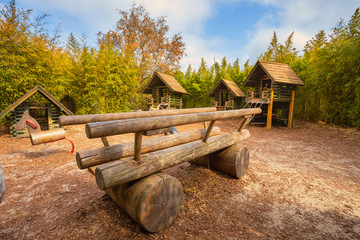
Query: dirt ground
[(302, 183)]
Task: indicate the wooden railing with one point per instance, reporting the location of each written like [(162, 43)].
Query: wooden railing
[(280, 94), (172, 101)]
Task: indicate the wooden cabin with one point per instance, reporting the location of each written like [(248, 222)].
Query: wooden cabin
[(273, 88), (164, 92), (226, 95), (43, 107)]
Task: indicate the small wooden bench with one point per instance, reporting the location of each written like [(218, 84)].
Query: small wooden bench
[(130, 172)]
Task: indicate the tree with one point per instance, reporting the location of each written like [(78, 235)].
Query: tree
[(138, 34)]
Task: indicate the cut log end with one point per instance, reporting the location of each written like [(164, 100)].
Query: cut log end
[(100, 181), (153, 202), (159, 206)]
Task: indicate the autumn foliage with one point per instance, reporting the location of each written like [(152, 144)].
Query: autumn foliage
[(112, 73)]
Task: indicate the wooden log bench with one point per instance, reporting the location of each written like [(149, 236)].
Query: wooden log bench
[(130, 172)]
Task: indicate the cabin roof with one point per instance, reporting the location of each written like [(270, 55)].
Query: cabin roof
[(233, 88), (168, 80), (277, 72), (43, 92)]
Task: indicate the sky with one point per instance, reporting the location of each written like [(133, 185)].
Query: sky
[(211, 29)]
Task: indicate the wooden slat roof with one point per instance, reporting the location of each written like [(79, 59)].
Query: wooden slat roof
[(277, 72), (233, 88), (169, 81), (43, 92)]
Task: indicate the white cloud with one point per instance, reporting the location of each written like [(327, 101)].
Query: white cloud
[(306, 18)]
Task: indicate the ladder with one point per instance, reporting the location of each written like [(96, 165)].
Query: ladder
[(250, 104)]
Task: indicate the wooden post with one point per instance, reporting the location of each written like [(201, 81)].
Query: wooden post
[(96, 156), (105, 141), (291, 109), (208, 132), (153, 202), (270, 107), (244, 121), (126, 170), (137, 146), (100, 129)]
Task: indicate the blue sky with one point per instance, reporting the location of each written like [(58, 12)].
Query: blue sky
[(211, 29)]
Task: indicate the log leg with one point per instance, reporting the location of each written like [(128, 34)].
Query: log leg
[(153, 202), (233, 160)]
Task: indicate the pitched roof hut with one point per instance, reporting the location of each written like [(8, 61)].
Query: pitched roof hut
[(165, 90), (46, 113), (226, 94), (274, 85)]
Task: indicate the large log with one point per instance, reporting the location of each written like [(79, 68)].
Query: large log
[(233, 160), (82, 119), (153, 202), (101, 129), (92, 157), (47, 136), (126, 170), (2, 184)]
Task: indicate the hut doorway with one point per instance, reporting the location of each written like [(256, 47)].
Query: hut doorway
[(39, 111), (224, 96)]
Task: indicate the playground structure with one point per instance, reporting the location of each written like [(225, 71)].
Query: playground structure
[(130, 173), (227, 95), (274, 85), (165, 92), (45, 111), (37, 136)]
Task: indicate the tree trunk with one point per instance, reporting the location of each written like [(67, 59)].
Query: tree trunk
[(82, 119), (101, 129), (92, 157), (126, 170), (153, 202)]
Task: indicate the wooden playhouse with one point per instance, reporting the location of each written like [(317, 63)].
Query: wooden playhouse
[(273, 89), (227, 95), (43, 107), (164, 92)]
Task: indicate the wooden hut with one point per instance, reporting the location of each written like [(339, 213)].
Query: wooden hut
[(45, 109), (227, 95), (164, 91), (273, 85)]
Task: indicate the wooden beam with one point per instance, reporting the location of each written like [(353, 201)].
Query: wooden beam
[(93, 157), (208, 132), (270, 107), (126, 170), (291, 109), (47, 136), (83, 119), (100, 129), (137, 146)]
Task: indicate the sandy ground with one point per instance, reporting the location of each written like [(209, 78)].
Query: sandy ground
[(302, 183)]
